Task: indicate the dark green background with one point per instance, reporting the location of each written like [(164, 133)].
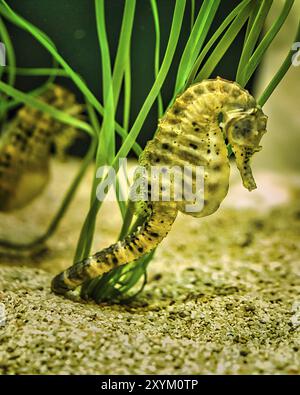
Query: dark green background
[(71, 25)]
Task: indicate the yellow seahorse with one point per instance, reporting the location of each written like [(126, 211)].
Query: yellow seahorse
[(25, 148), (194, 132)]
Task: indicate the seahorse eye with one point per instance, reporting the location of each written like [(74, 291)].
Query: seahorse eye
[(243, 130)]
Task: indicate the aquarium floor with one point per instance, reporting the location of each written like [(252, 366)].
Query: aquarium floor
[(223, 295)]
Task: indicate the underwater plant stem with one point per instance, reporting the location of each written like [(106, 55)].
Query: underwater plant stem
[(252, 37), (95, 123), (127, 26), (195, 42), (106, 142), (192, 14), (224, 44), (111, 88), (256, 58), (280, 73), (166, 63), (127, 95), (123, 50), (10, 53), (36, 71), (252, 18), (11, 72), (157, 53), (213, 39), (112, 83), (127, 220)]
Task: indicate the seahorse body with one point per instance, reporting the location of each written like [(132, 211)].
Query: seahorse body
[(25, 147), (192, 132)]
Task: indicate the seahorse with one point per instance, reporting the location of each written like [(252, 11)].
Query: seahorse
[(194, 131), (25, 148)]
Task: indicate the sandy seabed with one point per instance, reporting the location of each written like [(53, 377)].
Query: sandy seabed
[(223, 295)]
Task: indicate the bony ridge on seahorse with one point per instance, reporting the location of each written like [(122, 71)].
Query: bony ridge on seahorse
[(194, 131), (25, 147)]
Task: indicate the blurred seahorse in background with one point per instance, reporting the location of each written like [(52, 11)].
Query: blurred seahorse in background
[(25, 148), (194, 131)]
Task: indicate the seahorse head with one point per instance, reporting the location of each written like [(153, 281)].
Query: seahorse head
[(244, 130)]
